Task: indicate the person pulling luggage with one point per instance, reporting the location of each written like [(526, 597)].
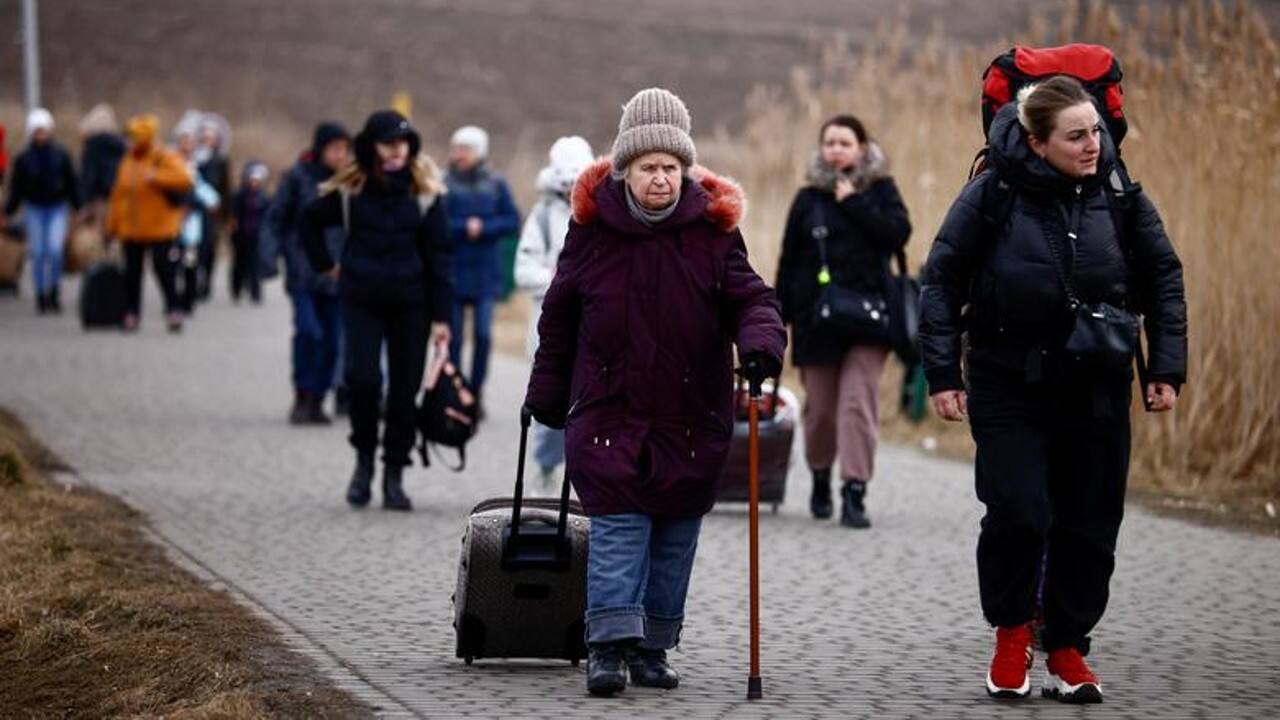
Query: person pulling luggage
[(637, 368)]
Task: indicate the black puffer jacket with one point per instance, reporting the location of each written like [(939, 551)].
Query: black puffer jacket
[(863, 233), (395, 254), (42, 175), (1006, 276)]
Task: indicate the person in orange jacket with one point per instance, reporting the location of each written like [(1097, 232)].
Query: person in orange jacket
[(145, 214)]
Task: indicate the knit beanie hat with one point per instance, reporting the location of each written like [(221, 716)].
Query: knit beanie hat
[(654, 120), (325, 133), (473, 137), (39, 119)]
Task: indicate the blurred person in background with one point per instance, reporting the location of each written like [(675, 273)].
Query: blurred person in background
[(202, 201), (214, 166), (851, 201), (100, 157), (395, 280), (145, 214), (248, 207), (481, 213), (1003, 291), (541, 241), (317, 325), (43, 184)]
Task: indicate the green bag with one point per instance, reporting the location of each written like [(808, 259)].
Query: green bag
[(915, 393)]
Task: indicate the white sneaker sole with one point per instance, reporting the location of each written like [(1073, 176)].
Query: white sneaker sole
[(1017, 693), (1055, 688)]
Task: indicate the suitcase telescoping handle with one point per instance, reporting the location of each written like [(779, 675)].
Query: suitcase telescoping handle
[(531, 547)]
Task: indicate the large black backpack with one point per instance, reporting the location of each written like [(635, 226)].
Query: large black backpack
[(448, 413)]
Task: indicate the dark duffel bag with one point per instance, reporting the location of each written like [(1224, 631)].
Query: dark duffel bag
[(777, 433), (103, 296), (522, 577)]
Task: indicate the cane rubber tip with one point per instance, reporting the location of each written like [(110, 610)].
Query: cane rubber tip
[(755, 689)]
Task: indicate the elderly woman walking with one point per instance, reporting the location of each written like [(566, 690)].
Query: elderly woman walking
[(1047, 261), (635, 360), (843, 227)]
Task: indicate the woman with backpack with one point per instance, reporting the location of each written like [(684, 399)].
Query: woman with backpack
[(540, 244), (651, 293), (1055, 258), (394, 278), (843, 228)]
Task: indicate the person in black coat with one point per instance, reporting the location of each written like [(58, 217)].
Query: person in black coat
[(395, 279), (1027, 241), (248, 210), (100, 157), (853, 204)]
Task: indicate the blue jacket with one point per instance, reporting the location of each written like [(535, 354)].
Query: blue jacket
[(279, 235), (478, 265)]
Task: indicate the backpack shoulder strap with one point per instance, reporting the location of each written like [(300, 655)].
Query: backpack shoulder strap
[(425, 202), (346, 210), (996, 200)]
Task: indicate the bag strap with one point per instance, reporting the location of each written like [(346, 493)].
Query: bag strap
[(820, 231), (1120, 201), (345, 195), (1059, 263)]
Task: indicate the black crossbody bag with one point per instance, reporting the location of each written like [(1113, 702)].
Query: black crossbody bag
[(852, 315)]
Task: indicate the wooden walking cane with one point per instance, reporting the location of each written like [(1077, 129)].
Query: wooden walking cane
[(755, 689)]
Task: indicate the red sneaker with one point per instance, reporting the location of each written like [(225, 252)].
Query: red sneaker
[(1070, 680), (1009, 676)]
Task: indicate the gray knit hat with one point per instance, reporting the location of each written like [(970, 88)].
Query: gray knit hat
[(654, 120)]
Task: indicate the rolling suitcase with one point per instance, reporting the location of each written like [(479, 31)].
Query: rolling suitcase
[(103, 296), (522, 577), (777, 429), (13, 253)]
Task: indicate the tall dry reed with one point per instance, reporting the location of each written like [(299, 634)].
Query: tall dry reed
[(1203, 99)]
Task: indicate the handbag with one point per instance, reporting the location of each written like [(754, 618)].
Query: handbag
[(904, 312), (1102, 335), (448, 412), (854, 316)]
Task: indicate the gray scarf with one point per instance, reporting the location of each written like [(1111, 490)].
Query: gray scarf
[(646, 216)]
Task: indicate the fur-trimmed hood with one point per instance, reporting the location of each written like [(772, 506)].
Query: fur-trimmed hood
[(873, 166), (426, 176), (724, 202)]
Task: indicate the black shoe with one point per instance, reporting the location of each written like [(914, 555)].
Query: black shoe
[(393, 497), (607, 668), (315, 410), (853, 514), (341, 400), (649, 668), (42, 303), (820, 502), (359, 492), (298, 414), (55, 301)]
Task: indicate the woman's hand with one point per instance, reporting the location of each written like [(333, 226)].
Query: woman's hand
[(951, 405), (440, 334), (1161, 397), (844, 188)]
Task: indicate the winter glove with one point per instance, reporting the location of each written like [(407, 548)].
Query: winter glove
[(555, 422), (756, 366)]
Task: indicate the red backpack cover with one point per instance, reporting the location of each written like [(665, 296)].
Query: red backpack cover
[(1094, 66)]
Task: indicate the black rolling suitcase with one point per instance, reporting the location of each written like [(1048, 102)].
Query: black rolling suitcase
[(777, 433), (522, 578), (103, 296)]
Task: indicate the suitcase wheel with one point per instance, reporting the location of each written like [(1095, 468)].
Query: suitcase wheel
[(468, 659), (775, 508), (577, 662)]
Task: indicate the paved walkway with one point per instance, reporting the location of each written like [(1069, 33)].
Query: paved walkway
[(883, 624)]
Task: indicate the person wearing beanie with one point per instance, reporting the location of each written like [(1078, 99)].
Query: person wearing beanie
[(481, 214), (248, 205), (213, 134), (144, 217), (541, 241), (44, 186), (852, 202), (395, 279), (198, 205), (317, 326), (651, 293)]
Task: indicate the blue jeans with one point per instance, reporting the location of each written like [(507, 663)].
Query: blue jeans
[(483, 321), (46, 227), (548, 446), (315, 341), (638, 572)]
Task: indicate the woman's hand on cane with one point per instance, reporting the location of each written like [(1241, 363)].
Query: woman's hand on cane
[(951, 405)]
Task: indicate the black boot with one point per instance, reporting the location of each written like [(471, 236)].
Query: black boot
[(820, 502), (55, 301), (649, 668), (853, 514), (42, 303), (298, 414), (341, 400), (315, 410), (393, 497), (607, 668), (359, 492)]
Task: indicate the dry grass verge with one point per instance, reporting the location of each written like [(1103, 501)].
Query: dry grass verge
[(95, 621)]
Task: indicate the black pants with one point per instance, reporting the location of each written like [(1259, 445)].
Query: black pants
[(207, 256), (1053, 458), (244, 270), (134, 257), (186, 272), (404, 331)]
